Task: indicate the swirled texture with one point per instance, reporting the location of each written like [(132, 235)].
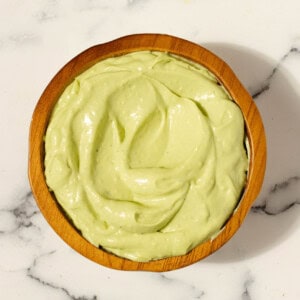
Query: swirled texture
[(145, 153)]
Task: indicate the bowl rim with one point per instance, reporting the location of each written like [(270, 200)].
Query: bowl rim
[(46, 201)]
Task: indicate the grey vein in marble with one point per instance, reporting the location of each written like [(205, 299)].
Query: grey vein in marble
[(197, 294), (19, 39), (267, 82), (47, 12), (284, 185), (30, 274), (247, 284), (45, 15), (22, 214), (131, 3)]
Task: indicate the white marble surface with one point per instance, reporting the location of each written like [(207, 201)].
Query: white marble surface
[(261, 41)]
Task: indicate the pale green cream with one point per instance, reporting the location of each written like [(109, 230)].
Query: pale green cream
[(145, 153)]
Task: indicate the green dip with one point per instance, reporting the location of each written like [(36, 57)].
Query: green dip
[(145, 153)]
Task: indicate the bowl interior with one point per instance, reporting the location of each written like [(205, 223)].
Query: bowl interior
[(46, 200)]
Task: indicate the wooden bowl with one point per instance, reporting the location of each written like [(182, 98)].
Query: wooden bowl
[(46, 200)]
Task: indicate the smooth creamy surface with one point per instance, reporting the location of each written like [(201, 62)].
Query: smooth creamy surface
[(145, 153)]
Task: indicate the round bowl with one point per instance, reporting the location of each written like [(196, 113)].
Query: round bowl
[(46, 199)]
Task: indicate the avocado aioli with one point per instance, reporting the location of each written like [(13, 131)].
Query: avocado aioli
[(145, 153)]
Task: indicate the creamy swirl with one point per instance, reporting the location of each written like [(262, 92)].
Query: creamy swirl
[(145, 153)]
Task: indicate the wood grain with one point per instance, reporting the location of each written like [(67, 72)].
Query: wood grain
[(46, 200)]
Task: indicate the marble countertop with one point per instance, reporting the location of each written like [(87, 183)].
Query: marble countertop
[(261, 42)]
